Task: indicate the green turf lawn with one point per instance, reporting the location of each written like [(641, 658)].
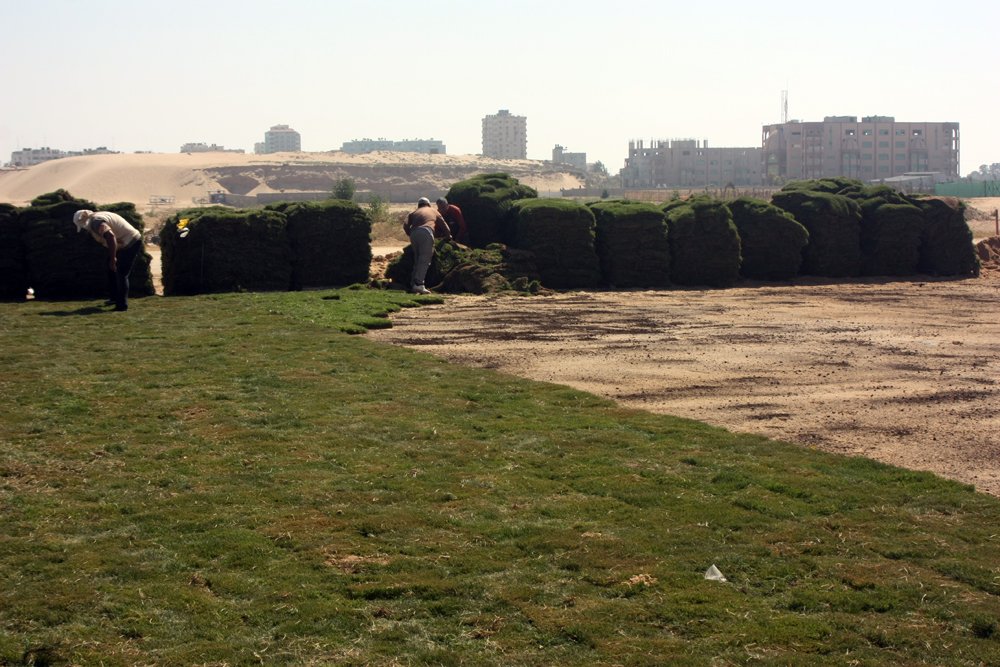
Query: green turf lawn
[(233, 480)]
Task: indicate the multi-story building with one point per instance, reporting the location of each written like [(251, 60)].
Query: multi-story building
[(877, 147), (280, 139), (689, 163), (428, 146), (577, 160), (505, 136), (27, 157)]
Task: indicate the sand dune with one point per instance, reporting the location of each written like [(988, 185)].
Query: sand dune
[(189, 177)]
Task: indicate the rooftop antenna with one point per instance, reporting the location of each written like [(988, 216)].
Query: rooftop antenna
[(784, 107)]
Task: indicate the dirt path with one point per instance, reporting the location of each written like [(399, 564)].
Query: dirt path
[(904, 372)]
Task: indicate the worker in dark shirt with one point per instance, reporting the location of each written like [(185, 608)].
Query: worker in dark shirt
[(456, 221)]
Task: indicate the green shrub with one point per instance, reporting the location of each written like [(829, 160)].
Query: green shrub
[(330, 243), (13, 267), (485, 202), (560, 233), (946, 247), (834, 226), (65, 264), (771, 240), (704, 243), (632, 244), (224, 250), (834, 185)]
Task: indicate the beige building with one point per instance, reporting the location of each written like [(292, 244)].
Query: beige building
[(279, 139), (576, 160), (877, 147), (505, 136), (689, 163)]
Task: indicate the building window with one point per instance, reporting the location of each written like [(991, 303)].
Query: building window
[(883, 133), (900, 157), (900, 133), (883, 157), (883, 169), (866, 144), (883, 144), (917, 133), (900, 144), (867, 133), (848, 133), (866, 156)]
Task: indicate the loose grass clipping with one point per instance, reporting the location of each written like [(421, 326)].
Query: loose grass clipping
[(457, 269)]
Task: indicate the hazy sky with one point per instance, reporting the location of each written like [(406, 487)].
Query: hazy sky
[(152, 74)]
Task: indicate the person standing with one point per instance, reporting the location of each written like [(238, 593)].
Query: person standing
[(456, 221), (422, 225), (123, 242)]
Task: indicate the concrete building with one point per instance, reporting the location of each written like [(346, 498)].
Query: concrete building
[(874, 148), (280, 139), (689, 163), (27, 157), (427, 146), (200, 147), (505, 136), (576, 160)]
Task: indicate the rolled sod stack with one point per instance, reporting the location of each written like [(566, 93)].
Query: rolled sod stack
[(704, 243), (560, 234), (632, 244), (485, 201), (330, 242), (223, 250), (946, 247), (13, 268), (891, 229), (771, 240), (64, 264), (834, 225)]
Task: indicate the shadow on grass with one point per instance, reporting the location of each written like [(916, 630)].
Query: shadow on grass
[(87, 310)]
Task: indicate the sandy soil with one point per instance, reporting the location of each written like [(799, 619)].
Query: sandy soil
[(904, 372), (187, 178)]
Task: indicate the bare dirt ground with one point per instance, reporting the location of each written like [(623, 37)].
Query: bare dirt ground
[(905, 372)]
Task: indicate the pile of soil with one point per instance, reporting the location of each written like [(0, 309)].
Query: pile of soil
[(989, 252)]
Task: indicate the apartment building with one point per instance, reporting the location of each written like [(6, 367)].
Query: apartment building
[(279, 139), (876, 147), (686, 163), (505, 136), (28, 157)]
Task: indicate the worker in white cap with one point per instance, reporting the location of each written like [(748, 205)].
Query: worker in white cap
[(422, 225), (123, 241)]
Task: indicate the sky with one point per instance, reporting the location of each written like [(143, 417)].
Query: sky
[(590, 76)]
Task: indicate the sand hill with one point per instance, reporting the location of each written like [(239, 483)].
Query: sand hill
[(189, 178)]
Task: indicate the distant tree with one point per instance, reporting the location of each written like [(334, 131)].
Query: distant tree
[(599, 168), (378, 210), (605, 194), (344, 189)]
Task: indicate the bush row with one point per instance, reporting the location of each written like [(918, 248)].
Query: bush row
[(41, 249), (283, 246)]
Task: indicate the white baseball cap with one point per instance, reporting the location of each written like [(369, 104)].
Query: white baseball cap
[(80, 219)]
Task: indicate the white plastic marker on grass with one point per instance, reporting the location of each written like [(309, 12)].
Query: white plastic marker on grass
[(713, 574)]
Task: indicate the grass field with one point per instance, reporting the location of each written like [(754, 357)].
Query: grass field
[(233, 479)]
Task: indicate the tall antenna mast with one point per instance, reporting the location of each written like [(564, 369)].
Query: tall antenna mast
[(784, 106)]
